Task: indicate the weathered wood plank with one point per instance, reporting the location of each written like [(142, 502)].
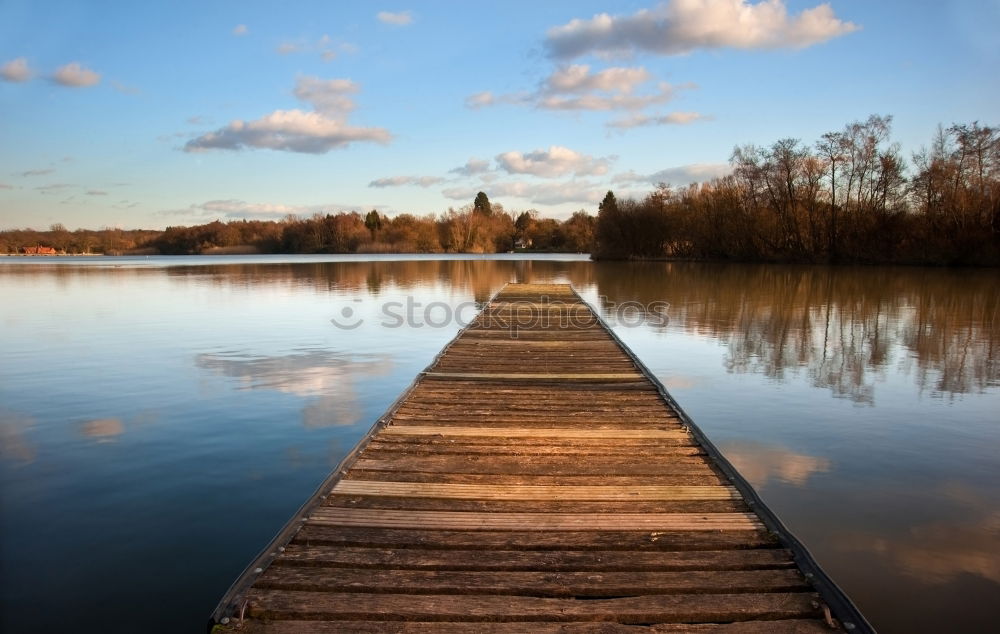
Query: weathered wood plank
[(525, 432), (686, 479), (386, 450), (536, 506), (285, 604), (536, 376), (471, 521), (498, 560), (495, 492), (552, 465), (792, 626), (532, 466), (476, 444), (617, 540), (536, 584)]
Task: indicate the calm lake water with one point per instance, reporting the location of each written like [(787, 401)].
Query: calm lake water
[(161, 418)]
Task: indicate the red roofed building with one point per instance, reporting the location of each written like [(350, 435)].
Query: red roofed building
[(39, 250)]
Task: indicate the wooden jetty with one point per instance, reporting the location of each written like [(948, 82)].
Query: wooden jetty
[(535, 478)]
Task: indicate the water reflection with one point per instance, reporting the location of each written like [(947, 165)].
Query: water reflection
[(480, 277), (753, 352), (760, 464), (941, 550), (103, 428), (14, 446), (845, 328), (328, 378)]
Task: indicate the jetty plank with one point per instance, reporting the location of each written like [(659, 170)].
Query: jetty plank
[(533, 479)]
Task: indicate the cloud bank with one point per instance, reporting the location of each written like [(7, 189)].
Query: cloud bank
[(575, 87), (472, 167), (311, 132), (553, 162), (678, 27), (557, 193), (401, 181), (678, 176)]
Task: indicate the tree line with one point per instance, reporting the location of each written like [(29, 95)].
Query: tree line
[(481, 227), (849, 197), (110, 241)]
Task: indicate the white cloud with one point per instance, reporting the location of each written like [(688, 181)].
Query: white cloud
[(311, 132), (233, 208), (577, 88), (665, 92), (472, 167), (240, 208), (537, 193), (327, 96), (400, 181), (37, 172), (16, 70), (554, 162), (677, 27), (678, 176), (578, 79), (400, 18), (289, 130), (75, 75), (240, 29), (96, 192), (673, 118), (287, 48)]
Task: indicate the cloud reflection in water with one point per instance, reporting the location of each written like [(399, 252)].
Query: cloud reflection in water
[(13, 445), (760, 464), (964, 539), (324, 376)]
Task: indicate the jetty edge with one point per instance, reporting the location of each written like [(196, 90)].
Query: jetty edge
[(536, 477)]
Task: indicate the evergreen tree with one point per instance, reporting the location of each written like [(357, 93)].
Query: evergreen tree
[(482, 205), (373, 222)]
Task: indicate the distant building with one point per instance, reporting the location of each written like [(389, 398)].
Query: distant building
[(39, 250)]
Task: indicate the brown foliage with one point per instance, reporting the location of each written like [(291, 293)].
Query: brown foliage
[(849, 199)]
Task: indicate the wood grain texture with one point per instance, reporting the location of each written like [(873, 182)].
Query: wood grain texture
[(471, 521), (500, 492), (532, 481), (530, 432)]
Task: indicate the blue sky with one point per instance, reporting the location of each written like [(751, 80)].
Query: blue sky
[(143, 114)]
